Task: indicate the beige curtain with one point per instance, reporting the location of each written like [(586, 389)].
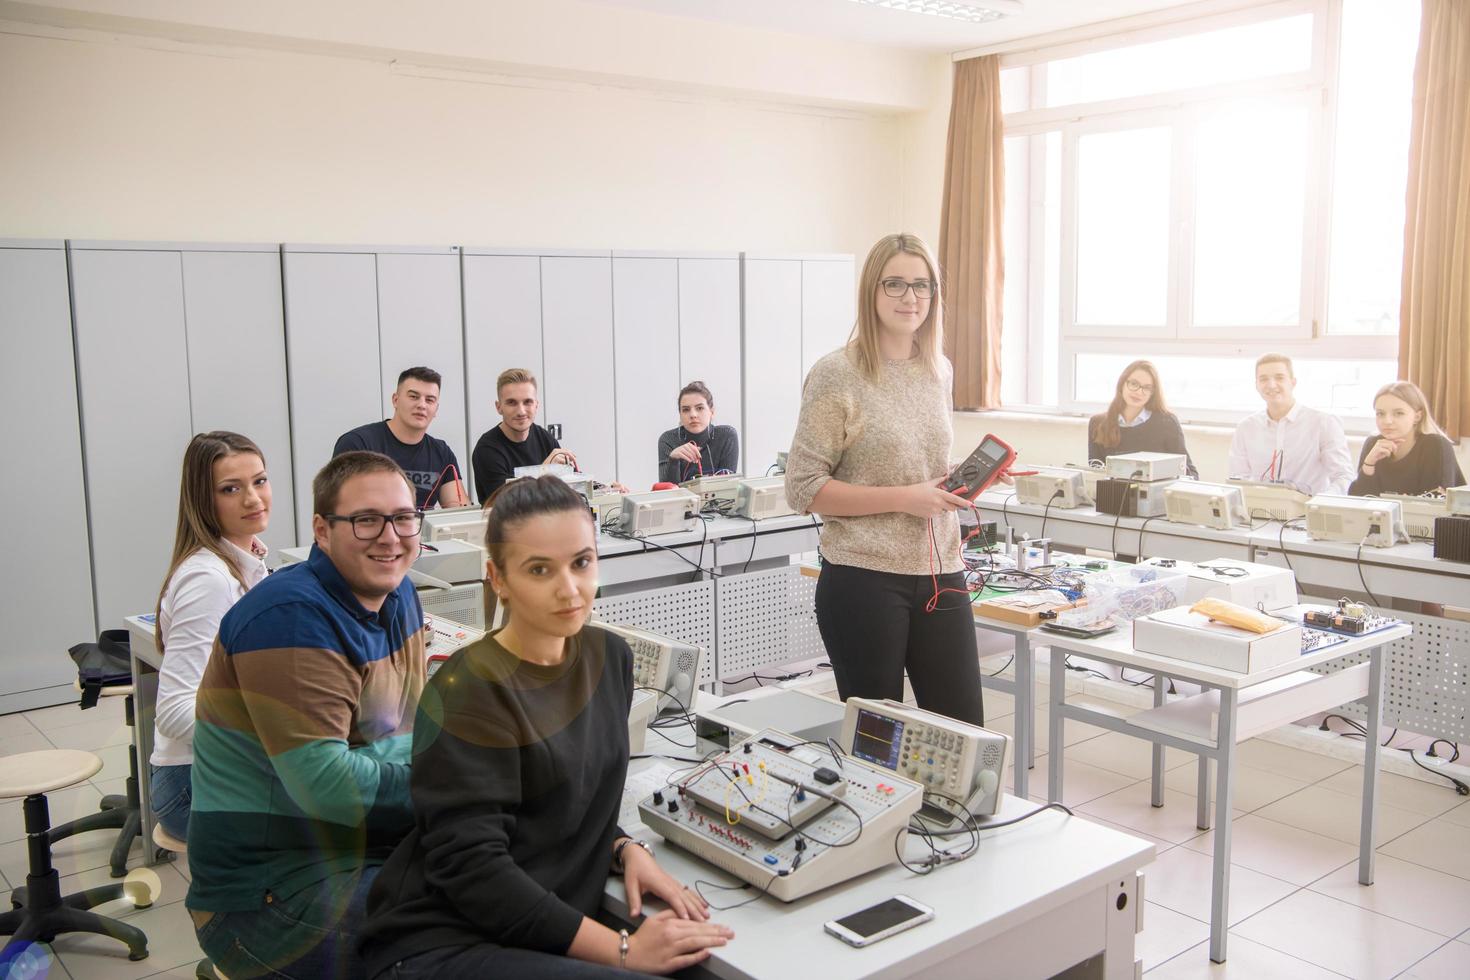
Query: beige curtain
[(1434, 313), (970, 233)]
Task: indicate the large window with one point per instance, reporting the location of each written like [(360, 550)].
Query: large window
[(1201, 192)]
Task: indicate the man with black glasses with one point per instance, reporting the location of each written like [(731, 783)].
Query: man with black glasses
[(302, 738)]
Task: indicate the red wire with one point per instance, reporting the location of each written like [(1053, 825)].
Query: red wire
[(457, 480)]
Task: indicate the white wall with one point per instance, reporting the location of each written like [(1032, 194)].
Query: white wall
[(123, 136)]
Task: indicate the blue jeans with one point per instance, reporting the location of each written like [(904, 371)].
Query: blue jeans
[(309, 936), (171, 795)]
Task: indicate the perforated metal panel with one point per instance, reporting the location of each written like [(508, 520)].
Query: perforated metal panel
[(806, 640), (1427, 679), (754, 616), (682, 612)]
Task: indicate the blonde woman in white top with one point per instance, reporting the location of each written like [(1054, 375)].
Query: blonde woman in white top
[(224, 505)]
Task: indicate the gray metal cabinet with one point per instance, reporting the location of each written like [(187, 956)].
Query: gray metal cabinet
[(171, 339), (709, 333), (828, 295), (577, 340), (502, 328), (646, 334), (133, 366), (237, 362), (772, 366), (48, 601), (333, 358), (420, 323)]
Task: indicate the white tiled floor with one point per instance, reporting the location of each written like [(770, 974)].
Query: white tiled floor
[(1296, 908)]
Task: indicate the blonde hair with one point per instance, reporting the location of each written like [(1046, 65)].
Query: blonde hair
[(865, 332), (198, 523), (514, 376), (1409, 393)]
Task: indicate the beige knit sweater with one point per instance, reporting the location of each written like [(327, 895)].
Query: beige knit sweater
[(894, 432)]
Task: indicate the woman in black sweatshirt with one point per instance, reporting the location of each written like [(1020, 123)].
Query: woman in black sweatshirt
[(697, 447), (520, 753), (1137, 420), (1409, 454)]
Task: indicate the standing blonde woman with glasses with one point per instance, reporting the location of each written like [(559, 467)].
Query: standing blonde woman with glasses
[(872, 445), (1137, 420)]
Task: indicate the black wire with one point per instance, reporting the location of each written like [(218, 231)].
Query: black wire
[(1004, 666), (686, 719), (1281, 544), (1460, 787), (748, 557), (1144, 527), (1443, 741), (733, 888), (1002, 823), (673, 551), (1362, 579), (1047, 509)]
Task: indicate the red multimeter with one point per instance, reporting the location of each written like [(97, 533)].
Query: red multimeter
[(982, 468)]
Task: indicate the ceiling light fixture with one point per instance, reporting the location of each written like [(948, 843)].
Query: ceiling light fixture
[(973, 11)]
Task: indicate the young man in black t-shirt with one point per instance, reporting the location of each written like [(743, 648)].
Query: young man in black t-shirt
[(517, 440), (430, 463)]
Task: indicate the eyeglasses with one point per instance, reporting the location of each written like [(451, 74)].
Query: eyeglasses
[(1132, 385), (895, 288), (367, 527)]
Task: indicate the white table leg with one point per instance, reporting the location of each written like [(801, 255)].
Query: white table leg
[(1371, 752), (1157, 775), (1025, 701), (1202, 794), (1224, 776), (1058, 698)]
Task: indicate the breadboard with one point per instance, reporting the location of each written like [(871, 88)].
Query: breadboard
[(834, 844), (1426, 680)]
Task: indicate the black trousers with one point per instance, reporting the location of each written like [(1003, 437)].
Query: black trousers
[(875, 629)]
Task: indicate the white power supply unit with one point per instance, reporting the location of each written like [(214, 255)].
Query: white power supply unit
[(1458, 500), (1272, 501), (762, 497), (1208, 504), (1356, 520), (1147, 467), (1420, 513), (659, 512), (1057, 487)]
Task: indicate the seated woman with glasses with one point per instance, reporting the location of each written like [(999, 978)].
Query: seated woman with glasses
[(224, 503), (1137, 420), (1409, 454), (520, 754)]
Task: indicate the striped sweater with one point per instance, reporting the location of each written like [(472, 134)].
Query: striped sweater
[(302, 737)]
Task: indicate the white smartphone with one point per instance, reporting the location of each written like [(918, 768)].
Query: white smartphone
[(879, 921)]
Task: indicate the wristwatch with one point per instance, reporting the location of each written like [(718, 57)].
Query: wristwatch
[(618, 851)]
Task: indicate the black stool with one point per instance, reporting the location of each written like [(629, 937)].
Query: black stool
[(122, 811), (39, 911)]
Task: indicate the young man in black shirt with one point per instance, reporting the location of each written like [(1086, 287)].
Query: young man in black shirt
[(517, 440), (430, 463)]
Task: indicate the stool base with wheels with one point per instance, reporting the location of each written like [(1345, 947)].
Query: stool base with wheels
[(41, 912), (119, 811)]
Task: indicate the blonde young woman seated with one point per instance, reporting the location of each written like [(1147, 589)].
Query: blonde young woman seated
[(1409, 454)]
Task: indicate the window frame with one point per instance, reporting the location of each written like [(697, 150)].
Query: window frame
[(1180, 111)]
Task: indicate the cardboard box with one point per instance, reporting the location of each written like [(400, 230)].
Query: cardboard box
[(1183, 635), (1244, 583)]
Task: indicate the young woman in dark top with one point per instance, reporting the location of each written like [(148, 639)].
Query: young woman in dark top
[(1409, 454), (1137, 420), (520, 753), (697, 447)]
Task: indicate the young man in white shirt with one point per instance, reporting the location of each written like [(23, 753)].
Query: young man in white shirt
[(1289, 442)]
